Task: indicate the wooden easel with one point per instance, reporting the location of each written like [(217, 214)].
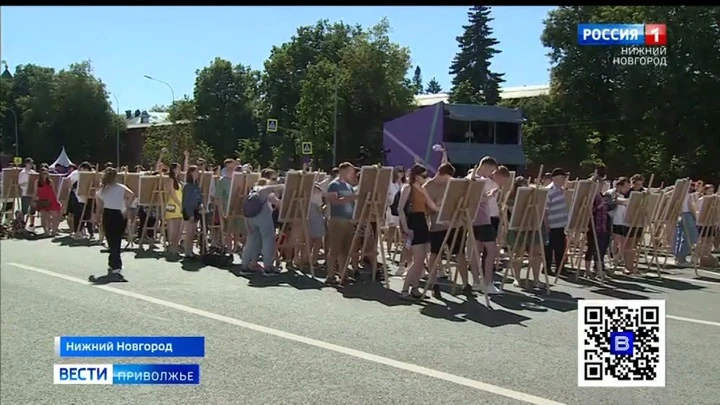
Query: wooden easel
[(668, 217), (581, 218), (11, 201), (219, 228), (157, 202), (297, 215), (529, 228), (503, 226), (369, 213), (642, 219), (89, 203), (462, 222), (708, 220)]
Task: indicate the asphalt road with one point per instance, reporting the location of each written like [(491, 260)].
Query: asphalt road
[(289, 340)]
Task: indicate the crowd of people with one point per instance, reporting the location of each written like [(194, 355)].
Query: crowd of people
[(196, 224)]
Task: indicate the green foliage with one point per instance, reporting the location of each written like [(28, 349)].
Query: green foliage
[(473, 81), (654, 119), (248, 151), (176, 139), (68, 108), (417, 81), (223, 105), (433, 87), (326, 68)]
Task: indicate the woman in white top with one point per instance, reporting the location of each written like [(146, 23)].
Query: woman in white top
[(113, 200)]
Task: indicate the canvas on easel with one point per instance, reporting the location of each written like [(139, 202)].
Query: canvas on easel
[(10, 193), (666, 223), (152, 197), (369, 212), (55, 180), (237, 195), (505, 190), (132, 181), (708, 223), (64, 191), (580, 219), (527, 220), (295, 211), (457, 210), (31, 190), (88, 182), (638, 217)]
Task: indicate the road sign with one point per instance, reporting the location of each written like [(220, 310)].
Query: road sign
[(307, 148), (17, 160), (272, 125)]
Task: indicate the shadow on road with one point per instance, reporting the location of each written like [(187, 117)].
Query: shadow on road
[(473, 311)]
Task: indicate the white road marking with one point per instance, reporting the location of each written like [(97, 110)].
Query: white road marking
[(677, 318), (691, 320), (688, 280), (440, 375)]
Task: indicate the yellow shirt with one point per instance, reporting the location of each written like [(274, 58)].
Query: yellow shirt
[(172, 210)]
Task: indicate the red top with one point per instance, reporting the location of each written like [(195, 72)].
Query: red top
[(46, 192)]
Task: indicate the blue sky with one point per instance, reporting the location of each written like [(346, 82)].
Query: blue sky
[(171, 43)]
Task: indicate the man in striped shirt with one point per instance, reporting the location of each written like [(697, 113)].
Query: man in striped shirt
[(556, 219)]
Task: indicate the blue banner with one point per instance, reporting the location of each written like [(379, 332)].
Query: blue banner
[(611, 34), (130, 346), (156, 374)]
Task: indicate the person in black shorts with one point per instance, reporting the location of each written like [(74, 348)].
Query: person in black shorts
[(435, 188), (414, 205)]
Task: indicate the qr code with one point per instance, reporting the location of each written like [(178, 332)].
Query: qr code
[(621, 343)]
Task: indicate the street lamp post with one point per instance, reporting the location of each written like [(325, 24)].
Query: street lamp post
[(17, 144), (172, 93), (117, 133)]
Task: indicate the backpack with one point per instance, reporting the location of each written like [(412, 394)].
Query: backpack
[(394, 206), (253, 204)]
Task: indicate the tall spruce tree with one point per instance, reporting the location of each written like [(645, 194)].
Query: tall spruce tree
[(473, 81), (417, 81), (433, 87)]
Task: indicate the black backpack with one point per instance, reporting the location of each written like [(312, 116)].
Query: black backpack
[(253, 204), (394, 205)]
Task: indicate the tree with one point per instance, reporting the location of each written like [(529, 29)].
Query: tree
[(157, 137), (417, 80), (648, 118), (222, 105), (433, 87), (362, 66), (158, 108), (473, 80), (85, 123), (67, 109)]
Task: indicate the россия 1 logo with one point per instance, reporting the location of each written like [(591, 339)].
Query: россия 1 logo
[(622, 34), (640, 44)]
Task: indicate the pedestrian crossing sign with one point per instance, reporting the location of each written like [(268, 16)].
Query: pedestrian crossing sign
[(272, 125), (307, 148)]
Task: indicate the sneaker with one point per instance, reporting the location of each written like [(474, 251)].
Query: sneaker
[(270, 272), (246, 272), (400, 271), (415, 293), (477, 286), (492, 290)]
